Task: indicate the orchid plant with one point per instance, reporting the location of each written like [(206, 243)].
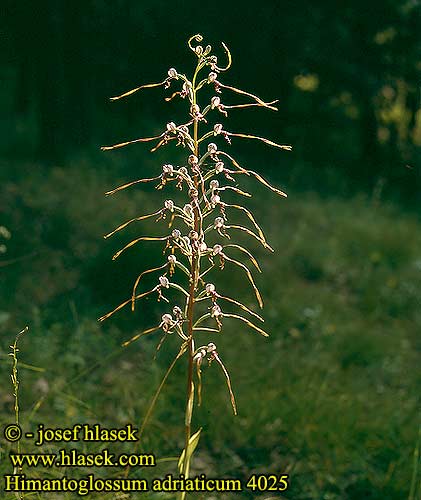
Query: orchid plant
[(207, 175)]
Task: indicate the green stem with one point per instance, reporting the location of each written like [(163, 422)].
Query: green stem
[(194, 276), (15, 382)]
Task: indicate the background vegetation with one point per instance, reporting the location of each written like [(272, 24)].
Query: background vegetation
[(333, 396)]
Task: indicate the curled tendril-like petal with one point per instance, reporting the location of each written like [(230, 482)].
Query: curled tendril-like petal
[(248, 94), (266, 141), (163, 141), (138, 335), (234, 162), (125, 224), (123, 304), (122, 144), (247, 322), (236, 190), (240, 305), (197, 38), (229, 58), (124, 186), (227, 378), (250, 278), (130, 92), (250, 217), (262, 181), (133, 299), (263, 242), (268, 105), (133, 242), (250, 255)]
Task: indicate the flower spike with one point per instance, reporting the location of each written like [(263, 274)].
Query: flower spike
[(204, 241)]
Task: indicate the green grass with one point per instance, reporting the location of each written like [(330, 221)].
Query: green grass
[(332, 397)]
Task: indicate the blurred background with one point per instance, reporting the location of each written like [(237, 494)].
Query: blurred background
[(333, 396)]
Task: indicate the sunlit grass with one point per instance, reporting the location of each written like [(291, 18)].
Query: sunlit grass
[(334, 400)]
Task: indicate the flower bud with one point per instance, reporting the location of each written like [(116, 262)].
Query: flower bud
[(171, 127), (184, 129), (183, 170), (194, 109), (210, 288), (212, 148), (214, 184), (176, 234), (199, 50), (164, 281), (193, 193), (193, 235), (212, 77), (172, 73)]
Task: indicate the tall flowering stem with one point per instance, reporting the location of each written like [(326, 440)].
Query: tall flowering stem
[(209, 173)]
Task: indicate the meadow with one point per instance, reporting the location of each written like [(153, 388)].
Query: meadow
[(331, 397)]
